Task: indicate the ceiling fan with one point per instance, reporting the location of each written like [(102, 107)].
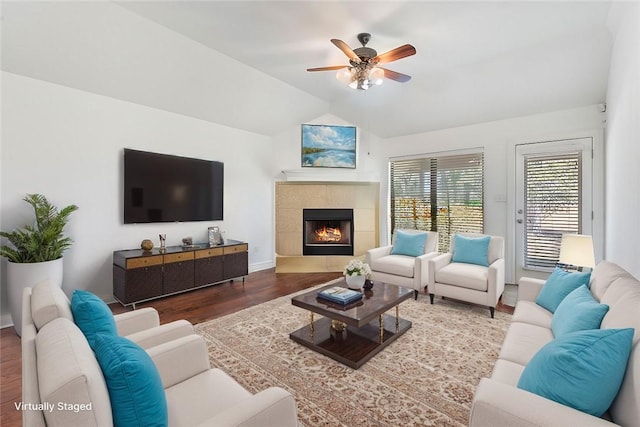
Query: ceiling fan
[(363, 71)]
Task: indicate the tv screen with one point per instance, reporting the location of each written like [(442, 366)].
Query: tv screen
[(165, 188)]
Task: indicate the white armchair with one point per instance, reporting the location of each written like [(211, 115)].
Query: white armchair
[(403, 270), (470, 282)]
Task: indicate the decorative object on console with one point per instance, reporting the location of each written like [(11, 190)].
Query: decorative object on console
[(356, 272), (146, 245), (187, 242), (328, 146), (163, 239), (37, 251), (215, 236), (577, 250)]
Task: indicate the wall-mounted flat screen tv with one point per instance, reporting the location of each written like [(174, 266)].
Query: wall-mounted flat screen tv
[(166, 188)]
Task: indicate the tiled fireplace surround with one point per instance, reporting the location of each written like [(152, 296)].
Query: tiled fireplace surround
[(293, 197)]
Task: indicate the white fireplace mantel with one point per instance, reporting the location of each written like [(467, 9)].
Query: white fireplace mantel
[(329, 175)]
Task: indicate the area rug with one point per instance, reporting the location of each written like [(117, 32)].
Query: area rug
[(425, 378)]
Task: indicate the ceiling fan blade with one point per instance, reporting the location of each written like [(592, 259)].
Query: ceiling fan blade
[(394, 75), (346, 49), (333, 67), (395, 54)]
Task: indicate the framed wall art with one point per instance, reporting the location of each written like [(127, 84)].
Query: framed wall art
[(328, 146)]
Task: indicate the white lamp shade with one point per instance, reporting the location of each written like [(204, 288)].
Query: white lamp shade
[(577, 249), (345, 75)]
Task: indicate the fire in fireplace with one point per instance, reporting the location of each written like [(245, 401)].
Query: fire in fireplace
[(327, 232)]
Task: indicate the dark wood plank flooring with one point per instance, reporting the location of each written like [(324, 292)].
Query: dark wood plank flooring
[(196, 306)]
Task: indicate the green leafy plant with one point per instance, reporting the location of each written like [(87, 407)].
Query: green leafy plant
[(42, 241)]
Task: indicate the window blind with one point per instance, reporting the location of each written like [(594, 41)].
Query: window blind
[(443, 194), (552, 205)]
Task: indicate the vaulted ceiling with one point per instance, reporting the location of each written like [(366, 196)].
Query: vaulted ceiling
[(476, 61)]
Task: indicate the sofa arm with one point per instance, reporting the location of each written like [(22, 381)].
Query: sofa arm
[(435, 264), (273, 407), (497, 404), (137, 320), (162, 334), (373, 254), (180, 359), (529, 288)]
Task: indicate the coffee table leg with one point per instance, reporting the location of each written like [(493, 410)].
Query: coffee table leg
[(381, 320), (397, 318), (311, 328)]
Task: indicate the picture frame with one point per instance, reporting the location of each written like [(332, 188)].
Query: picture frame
[(215, 236), (328, 146)]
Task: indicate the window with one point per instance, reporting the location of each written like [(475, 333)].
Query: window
[(552, 190), (443, 194)]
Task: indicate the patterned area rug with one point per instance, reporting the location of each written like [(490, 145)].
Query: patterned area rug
[(427, 377)]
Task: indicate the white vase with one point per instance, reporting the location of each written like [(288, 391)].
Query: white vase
[(355, 282), (23, 275)]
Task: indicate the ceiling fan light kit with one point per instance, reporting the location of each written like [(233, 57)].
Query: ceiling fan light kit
[(363, 71), (360, 78)]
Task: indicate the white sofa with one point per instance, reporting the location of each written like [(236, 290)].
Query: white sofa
[(498, 401), (60, 368)]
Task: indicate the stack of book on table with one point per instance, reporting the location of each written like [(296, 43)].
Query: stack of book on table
[(340, 295)]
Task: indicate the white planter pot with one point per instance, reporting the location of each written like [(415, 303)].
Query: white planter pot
[(355, 282), (23, 275)]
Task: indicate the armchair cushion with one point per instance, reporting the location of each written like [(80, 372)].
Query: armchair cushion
[(471, 250), (398, 265), (577, 312), (135, 388), (92, 315), (471, 276), (582, 370), (560, 284), (409, 243)]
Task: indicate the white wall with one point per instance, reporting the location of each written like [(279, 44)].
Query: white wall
[(68, 145), (623, 139), (497, 140), (288, 146)]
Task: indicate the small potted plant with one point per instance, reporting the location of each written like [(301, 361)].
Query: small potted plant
[(356, 273), (36, 251)]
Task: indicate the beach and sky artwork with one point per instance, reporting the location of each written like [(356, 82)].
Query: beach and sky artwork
[(328, 146)]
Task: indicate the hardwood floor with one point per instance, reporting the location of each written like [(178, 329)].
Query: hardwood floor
[(196, 306)]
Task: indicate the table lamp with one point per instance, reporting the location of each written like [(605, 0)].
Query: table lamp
[(577, 250)]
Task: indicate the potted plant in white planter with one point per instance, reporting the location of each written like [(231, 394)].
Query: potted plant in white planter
[(356, 273), (36, 252)]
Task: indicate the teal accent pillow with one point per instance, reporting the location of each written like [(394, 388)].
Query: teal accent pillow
[(578, 311), (560, 284), (92, 315), (471, 250), (134, 384), (410, 244), (583, 370)]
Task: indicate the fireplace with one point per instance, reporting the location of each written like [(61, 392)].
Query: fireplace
[(327, 232)]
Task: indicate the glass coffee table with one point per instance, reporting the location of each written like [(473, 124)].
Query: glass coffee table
[(354, 333)]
